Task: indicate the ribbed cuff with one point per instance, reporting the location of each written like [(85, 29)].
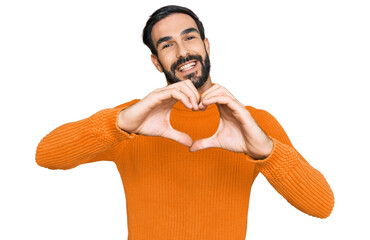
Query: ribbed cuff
[(280, 161), (104, 126)]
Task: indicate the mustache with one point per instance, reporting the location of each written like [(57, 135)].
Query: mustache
[(182, 60)]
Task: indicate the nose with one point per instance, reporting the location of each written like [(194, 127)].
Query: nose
[(182, 50)]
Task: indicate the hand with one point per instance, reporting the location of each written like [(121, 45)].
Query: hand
[(237, 130), (151, 115)]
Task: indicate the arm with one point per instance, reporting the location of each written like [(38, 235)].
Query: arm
[(258, 135), (95, 138), (88, 140), (290, 174)]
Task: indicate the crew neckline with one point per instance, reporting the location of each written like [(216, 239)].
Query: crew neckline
[(181, 107)]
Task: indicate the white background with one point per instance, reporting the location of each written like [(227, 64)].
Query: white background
[(306, 62)]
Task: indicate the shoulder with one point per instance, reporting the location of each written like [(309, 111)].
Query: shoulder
[(269, 124), (259, 114), (264, 119), (126, 104)]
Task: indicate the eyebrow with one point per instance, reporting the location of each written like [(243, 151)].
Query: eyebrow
[(189, 30), (186, 31)]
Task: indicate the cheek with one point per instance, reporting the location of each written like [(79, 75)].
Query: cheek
[(198, 47), (167, 61)]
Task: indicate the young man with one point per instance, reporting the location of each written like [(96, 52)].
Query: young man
[(188, 153)]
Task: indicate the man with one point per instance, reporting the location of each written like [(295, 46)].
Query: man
[(188, 153)]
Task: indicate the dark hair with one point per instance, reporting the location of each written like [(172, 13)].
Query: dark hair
[(164, 12)]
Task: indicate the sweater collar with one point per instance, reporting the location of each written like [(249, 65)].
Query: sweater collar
[(181, 107)]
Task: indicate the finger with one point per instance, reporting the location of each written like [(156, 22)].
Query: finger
[(202, 144), (175, 93), (205, 94), (216, 91), (191, 92), (192, 87), (185, 89), (209, 90), (220, 91), (179, 137), (227, 100)]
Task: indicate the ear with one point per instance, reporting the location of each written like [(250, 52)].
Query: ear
[(156, 62), (206, 43)]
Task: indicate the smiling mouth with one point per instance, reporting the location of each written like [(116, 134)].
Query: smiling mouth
[(187, 66)]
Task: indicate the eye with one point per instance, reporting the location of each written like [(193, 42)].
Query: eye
[(189, 38), (166, 45)]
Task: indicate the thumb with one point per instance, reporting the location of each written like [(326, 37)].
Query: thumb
[(179, 137), (202, 144)]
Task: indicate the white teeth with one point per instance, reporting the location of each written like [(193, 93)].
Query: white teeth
[(187, 66)]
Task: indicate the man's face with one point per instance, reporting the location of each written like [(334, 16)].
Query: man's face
[(181, 53)]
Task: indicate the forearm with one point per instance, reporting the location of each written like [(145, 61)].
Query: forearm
[(298, 182), (82, 141), (290, 174)]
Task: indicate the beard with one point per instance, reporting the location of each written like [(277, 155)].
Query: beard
[(198, 81)]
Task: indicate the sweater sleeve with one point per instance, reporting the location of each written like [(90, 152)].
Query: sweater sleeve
[(290, 174), (87, 140)]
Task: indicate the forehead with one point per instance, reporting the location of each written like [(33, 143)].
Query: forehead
[(172, 26)]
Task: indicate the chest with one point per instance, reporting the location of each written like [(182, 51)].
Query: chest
[(156, 167)]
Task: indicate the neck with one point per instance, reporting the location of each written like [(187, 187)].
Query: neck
[(206, 85)]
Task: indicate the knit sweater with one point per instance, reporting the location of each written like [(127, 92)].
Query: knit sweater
[(172, 193)]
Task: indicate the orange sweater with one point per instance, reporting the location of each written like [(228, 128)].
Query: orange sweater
[(172, 193)]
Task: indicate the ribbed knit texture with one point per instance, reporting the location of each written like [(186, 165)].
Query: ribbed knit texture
[(172, 193)]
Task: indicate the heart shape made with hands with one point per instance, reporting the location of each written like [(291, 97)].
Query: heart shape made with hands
[(236, 126), (229, 133), (237, 130)]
